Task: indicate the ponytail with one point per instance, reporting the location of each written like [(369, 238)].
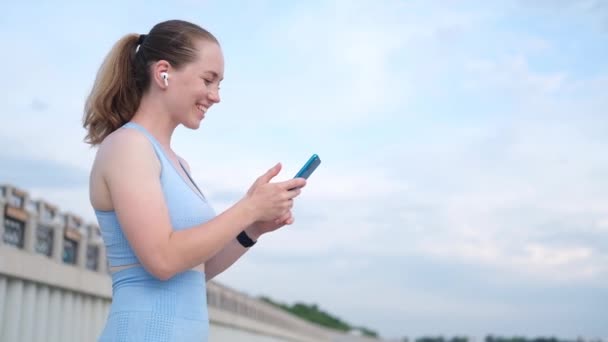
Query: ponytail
[(115, 95)]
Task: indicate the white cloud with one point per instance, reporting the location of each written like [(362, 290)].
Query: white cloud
[(514, 75)]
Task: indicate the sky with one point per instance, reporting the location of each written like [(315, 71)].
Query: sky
[(461, 189)]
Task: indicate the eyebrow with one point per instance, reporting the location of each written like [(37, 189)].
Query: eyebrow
[(214, 74)]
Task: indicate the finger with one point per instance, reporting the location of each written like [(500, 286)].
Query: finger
[(287, 205), (294, 183), (271, 173), (294, 193), (284, 218), (290, 194)]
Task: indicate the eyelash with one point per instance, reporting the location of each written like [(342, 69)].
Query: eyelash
[(207, 83)]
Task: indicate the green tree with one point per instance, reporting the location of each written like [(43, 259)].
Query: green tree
[(313, 313)]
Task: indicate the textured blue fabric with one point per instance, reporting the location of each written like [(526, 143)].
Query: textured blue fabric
[(145, 308)]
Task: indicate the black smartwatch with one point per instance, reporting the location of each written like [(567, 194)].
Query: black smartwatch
[(245, 240)]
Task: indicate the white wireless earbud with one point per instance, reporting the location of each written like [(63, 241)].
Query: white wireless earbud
[(165, 77)]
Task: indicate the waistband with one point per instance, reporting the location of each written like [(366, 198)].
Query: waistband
[(182, 296)]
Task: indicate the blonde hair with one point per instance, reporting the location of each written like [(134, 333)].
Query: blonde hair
[(124, 75)]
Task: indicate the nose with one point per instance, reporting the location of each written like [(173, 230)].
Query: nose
[(214, 95)]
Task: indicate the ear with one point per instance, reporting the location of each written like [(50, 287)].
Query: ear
[(160, 67)]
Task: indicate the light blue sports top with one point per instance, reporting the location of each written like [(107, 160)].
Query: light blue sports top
[(145, 308), (186, 207)]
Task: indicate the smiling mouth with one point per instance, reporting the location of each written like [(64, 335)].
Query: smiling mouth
[(201, 110)]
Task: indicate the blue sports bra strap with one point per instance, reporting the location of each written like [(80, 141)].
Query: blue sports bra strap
[(155, 144)]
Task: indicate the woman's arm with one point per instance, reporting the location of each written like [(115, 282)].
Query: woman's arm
[(131, 173)]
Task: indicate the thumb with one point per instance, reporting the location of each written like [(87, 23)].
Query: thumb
[(271, 173)]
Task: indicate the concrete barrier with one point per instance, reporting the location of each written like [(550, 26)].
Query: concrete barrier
[(55, 286)]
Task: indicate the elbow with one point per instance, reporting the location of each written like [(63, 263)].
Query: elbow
[(162, 274), (161, 269)]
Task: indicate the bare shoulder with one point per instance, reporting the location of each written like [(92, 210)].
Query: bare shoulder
[(125, 141), (126, 147), (124, 156)]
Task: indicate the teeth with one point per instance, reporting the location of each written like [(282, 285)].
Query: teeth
[(201, 108)]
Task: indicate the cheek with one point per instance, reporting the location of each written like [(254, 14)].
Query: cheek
[(188, 95), (193, 91), (179, 104), (202, 91)]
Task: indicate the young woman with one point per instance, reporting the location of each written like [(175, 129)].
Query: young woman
[(163, 239)]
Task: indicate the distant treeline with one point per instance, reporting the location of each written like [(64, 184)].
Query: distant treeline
[(491, 338), (313, 314)]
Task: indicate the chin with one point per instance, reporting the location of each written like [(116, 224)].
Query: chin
[(194, 124)]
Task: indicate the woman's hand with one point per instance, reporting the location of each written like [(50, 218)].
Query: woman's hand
[(272, 202)]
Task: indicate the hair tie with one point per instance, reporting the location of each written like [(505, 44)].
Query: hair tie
[(141, 39)]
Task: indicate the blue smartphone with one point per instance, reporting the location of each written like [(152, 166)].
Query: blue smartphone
[(309, 167)]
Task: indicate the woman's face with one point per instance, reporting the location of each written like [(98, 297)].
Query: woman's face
[(194, 88)]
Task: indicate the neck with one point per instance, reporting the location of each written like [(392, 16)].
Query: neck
[(152, 115)]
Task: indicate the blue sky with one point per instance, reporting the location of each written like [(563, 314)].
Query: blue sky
[(462, 189)]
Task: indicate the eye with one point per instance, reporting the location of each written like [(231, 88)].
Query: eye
[(207, 82)]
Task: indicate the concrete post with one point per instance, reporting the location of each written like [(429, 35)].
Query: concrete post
[(29, 235), (57, 241), (94, 239), (2, 211), (102, 266), (81, 253)]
